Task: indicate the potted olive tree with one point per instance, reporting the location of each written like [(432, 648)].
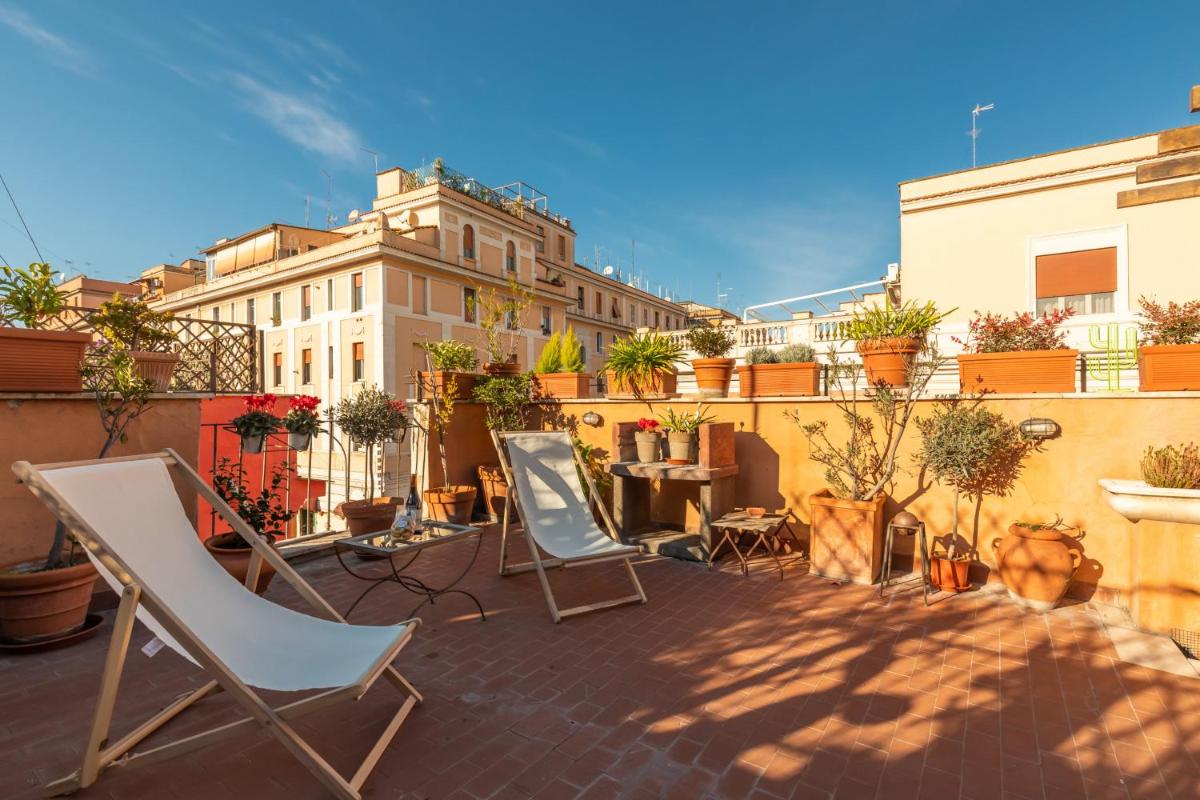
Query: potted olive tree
[(506, 400), (256, 422), (302, 421), (791, 371), (681, 433), (32, 357), (1022, 353), (371, 418), (714, 369), (643, 366), (889, 338), (500, 318), (559, 369), (147, 335), (450, 362), (1169, 356), (264, 511)]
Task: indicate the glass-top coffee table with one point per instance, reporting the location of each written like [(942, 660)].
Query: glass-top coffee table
[(404, 546)]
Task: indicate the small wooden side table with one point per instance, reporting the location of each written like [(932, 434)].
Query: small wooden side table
[(768, 531)]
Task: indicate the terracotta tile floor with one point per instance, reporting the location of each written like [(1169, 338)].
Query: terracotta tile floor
[(722, 686)]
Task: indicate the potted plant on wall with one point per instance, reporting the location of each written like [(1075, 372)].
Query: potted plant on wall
[(648, 441), (147, 335), (302, 421), (371, 418), (265, 513), (450, 363), (48, 600), (448, 502), (681, 433), (791, 371), (32, 358), (1023, 353), (1169, 357), (643, 366), (1169, 490), (559, 370), (256, 422), (889, 338), (846, 527), (500, 319), (713, 369)]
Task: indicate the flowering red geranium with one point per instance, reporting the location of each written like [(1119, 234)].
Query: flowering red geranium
[(400, 406), (647, 425), (259, 402), (996, 333), (303, 417), (305, 402), (258, 419)]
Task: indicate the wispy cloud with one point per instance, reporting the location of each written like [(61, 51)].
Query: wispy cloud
[(588, 147), (298, 118), (62, 52)]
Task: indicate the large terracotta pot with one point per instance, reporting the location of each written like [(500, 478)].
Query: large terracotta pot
[(887, 360), (649, 446), (801, 379), (451, 504), (713, 376), (846, 537), (502, 369), (1168, 367), (36, 605), (659, 386), (364, 516), (563, 385), (1035, 565), (464, 383), (495, 490), (236, 560), (41, 361), (157, 368), (1029, 371)]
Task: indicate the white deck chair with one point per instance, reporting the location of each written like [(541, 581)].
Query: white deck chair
[(555, 513), (126, 514)]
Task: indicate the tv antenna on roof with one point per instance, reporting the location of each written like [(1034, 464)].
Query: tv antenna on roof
[(373, 153), (329, 216), (975, 129)]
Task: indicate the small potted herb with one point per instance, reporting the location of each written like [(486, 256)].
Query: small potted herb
[(32, 358), (648, 440), (713, 369), (643, 366), (681, 433), (500, 317), (147, 335), (302, 421), (1169, 357), (791, 371), (559, 370), (265, 512), (451, 363), (1022, 353), (371, 418), (889, 338), (257, 422)]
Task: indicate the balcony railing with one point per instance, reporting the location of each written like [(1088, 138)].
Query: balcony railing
[(511, 199)]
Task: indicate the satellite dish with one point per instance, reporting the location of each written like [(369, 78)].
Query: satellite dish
[(353, 215), (608, 270)]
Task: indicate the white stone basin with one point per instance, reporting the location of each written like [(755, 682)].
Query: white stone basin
[(1136, 501)]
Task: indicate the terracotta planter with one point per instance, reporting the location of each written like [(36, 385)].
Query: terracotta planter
[(681, 447), (1035, 565), (780, 380), (157, 368), (505, 369), (40, 605), (948, 575), (41, 361), (649, 445), (363, 516), (1031, 371), (451, 504), (563, 385), (236, 560), (464, 383), (846, 537), (713, 376), (1168, 367), (495, 490), (659, 386), (887, 360)]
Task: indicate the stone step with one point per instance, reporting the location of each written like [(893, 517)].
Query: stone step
[(676, 544)]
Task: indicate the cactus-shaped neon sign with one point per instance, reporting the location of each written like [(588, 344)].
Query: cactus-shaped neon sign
[(1119, 351)]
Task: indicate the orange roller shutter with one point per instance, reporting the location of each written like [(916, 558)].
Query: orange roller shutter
[(1080, 272)]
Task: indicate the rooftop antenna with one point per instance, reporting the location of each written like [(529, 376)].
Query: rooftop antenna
[(373, 153), (307, 199), (975, 129), (329, 217), (633, 253)]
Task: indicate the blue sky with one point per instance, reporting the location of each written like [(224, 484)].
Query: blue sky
[(760, 141)]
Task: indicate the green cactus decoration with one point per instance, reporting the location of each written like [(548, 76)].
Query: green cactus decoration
[(1117, 354)]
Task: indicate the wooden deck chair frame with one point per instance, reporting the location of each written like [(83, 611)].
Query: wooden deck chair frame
[(539, 564), (100, 755)]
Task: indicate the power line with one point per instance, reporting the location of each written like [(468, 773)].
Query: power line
[(21, 217)]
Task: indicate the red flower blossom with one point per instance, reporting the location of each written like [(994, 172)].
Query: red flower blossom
[(305, 402), (645, 424), (259, 402)]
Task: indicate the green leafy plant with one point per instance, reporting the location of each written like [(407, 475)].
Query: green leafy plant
[(572, 352), (1056, 525), (638, 357), (1172, 467), (796, 354), (500, 319), (686, 422), (133, 325), (711, 341), (29, 296), (550, 361), (884, 321), (506, 398), (371, 417), (1174, 323), (451, 356), (762, 355), (265, 512)]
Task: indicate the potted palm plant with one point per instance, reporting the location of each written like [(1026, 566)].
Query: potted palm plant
[(1022, 353), (33, 358), (643, 366), (256, 422), (302, 421), (648, 441), (681, 433), (265, 513), (147, 335), (506, 399), (714, 369), (451, 363), (1169, 357), (559, 370), (500, 318), (791, 371), (889, 338), (371, 418), (448, 502), (48, 599)]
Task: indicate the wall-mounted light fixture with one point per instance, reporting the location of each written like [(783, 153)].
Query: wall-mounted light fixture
[(591, 418), (1039, 428)]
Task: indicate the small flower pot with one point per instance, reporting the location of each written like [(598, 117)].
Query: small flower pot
[(252, 444), (452, 504), (649, 444), (156, 368), (299, 441), (887, 361), (233, 554), (681, 447), (713, 376), (1168, 367), (950, 575), (38, 605)]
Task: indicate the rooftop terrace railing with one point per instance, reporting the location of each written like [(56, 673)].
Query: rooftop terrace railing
[(511, 198)]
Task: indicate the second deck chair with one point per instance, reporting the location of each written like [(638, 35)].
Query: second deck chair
[(126, 514), (540, 468)]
